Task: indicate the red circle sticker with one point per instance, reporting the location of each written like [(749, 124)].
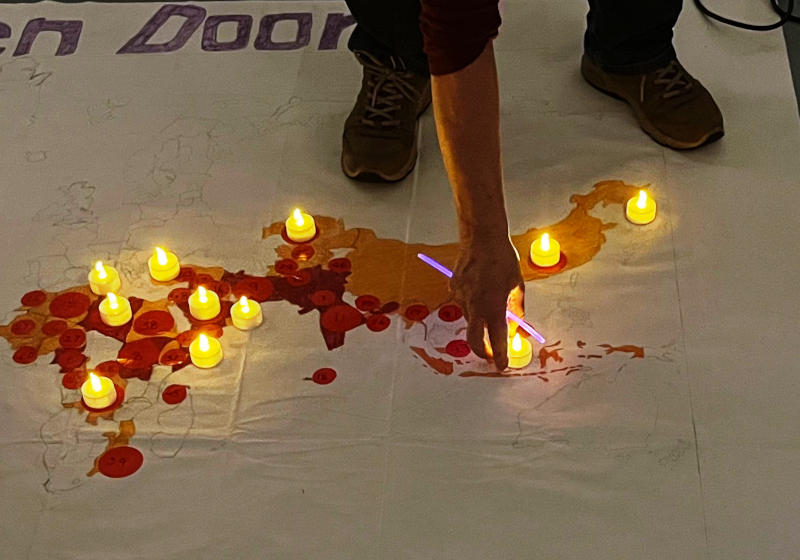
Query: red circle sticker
[(34, 298), (119, 462), (416, 312), (174, 394), (323, 376), (379, 322), (174, 357), (72, 338), (458, 348), (153, 322), (204, 279), (54, 327), (285, 266), (186, 274), (70, 304), (450, 313), (70, 358), (25, 355), (367, 302), (303, 253), (22, 327), (73, 379), (179, 295), (109, 368), (299, 278), (254, 287), (323, 298), (340, 264)]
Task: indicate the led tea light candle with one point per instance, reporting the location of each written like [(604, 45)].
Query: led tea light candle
[(205, 351), (300, 226), (520, 352), (98, 392), (103, 279), (545, 252), (641, 209), (115, 310), (204, 304), (246, 314), (163, 265)]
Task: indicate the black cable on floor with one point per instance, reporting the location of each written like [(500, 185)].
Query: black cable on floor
[(786, 16)]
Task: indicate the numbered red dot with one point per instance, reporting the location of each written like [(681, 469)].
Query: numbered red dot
[(72, 338), (109, 368), (222, 289), (416, 312), (299, 278), (179, 295), (119, 462), (458, 348), (54, 327), (153, 322), (323, 298), (203, 279), (174, 394), (303, 253), (25, 355), (139, 354), (286, 266), (340, 318), (34, 298), (70, 358), (323, 376), (69, 305), (377, 323), (73, 379), (174, 357), (367, 302), (340, 265), (450, 313), (255, 288), (22, 327)]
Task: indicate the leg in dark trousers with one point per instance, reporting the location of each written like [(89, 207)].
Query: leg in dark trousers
[(389, 28), (631, 36)]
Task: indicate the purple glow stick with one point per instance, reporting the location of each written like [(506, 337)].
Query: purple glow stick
[(518, 320)]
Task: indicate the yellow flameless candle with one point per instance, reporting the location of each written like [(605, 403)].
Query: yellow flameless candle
[(163, 265), (641, 209), (545, 251), (204, 304), (246, 314), (520, 352), (115, 310), (300, 227), (103, 279), (98, 391), (205, 351)]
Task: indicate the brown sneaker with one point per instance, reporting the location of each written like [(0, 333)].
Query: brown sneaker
[(670, 105), (380, 135)]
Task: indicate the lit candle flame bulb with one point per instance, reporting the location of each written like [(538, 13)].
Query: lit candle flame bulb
[(545, 251), (163, 265), (520, 352), (641, 209), (245, 316), (205, 351), (115, 310), (204, 304), (300, 227), (103, 279), (98, 392)]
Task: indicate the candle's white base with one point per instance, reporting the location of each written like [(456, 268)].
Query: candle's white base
[(246, 323), (102, 399), (204, 311), (209, 359), (164, 272), (115, 317), (640, 216)]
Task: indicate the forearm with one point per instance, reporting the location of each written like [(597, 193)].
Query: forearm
[(467, 110)]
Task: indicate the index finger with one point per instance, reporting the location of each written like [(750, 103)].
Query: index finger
[(498, 337)]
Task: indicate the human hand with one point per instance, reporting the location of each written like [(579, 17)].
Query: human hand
[(486, 281)]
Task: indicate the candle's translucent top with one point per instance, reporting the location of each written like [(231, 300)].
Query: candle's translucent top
[(95, 382), (101, 270), (112, 300), (298, 217), (244, 305), (201, 294), (516, 344), (642, 201), (545, 242), (202, 342), (161, 256)]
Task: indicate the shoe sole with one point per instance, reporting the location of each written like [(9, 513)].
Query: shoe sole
[(371, 175), (594, 79)]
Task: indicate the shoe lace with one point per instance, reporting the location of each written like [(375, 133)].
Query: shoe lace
[(675, 79), (386, 88)]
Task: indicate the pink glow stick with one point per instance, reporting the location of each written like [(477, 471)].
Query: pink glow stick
[(518, 320)]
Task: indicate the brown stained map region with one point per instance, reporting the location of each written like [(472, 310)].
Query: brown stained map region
[(384, 277)]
